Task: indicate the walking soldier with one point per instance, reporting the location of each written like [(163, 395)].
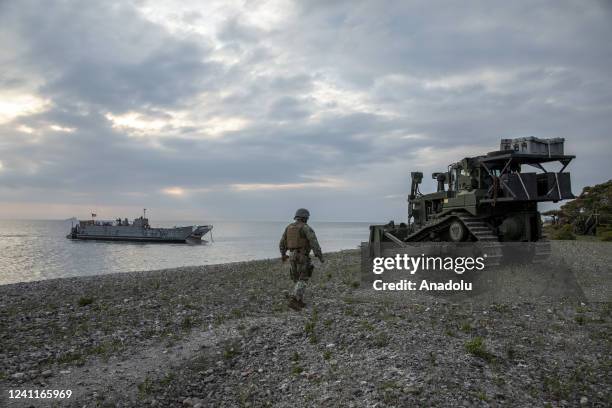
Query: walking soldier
[(299, 239)]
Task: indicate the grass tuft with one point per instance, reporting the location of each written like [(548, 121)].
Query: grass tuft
[(477, 348), (85, 301)]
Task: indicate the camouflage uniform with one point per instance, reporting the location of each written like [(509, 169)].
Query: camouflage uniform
[(299, 238)]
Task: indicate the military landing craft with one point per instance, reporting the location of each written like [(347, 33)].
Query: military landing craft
[(138, 231), (490, 200)]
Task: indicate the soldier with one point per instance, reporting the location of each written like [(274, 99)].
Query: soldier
[(299, 239)]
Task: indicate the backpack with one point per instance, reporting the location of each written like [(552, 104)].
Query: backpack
[(295, 240)]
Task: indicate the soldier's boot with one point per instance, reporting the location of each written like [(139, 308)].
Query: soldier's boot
[(301, 303), (294, 304)]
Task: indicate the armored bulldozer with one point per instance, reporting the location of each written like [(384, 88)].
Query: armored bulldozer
[(489, 199)]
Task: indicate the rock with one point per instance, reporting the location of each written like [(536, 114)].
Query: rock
[(18, 376), (584, 400), (188, 402), (47, 373)]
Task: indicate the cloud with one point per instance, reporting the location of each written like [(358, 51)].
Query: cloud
[(123, 104), (317, 183)]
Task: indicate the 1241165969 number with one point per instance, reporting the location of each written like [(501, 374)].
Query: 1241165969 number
[(39, 394)]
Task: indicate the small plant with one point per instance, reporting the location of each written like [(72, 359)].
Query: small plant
[(381, 339), (499, 308), (365, 325), (309, 327), (296, 369), (432, 358), (466, 327), (295, 357), (510, 352), (145, 388), (477, 348), (327, 354), (389, 391), (349, 311), (167, 379), (73, 358), (187, 323), (580, 319), (481, 395), (219, 319), (85, 301), (231, 350)]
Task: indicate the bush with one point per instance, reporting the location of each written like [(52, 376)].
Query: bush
[(604, 234), (564, 233)]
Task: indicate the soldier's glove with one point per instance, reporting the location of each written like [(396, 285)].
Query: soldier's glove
[(284, 257), (321, 259)]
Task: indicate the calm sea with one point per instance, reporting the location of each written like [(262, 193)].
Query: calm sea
[(36, 250)]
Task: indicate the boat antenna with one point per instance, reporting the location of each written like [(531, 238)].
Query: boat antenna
[(144, 213)]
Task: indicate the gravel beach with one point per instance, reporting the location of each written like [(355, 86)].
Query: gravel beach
[(222, 335)]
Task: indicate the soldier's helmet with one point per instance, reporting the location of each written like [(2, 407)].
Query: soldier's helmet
[(302, 213)]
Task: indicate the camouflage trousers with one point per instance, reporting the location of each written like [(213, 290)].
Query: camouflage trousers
[(300, 270)]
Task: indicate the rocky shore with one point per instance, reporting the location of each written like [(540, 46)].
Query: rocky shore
[(223, 336)]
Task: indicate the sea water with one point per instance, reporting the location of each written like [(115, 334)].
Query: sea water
[(36, 250)]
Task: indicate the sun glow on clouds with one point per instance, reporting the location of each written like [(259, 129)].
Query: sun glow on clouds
[(167, 123), (59, 128), (176, 191), (322, 183), (13, 105), (205, 18), (490, 79), (217, 126), (25, 129), (136, 122), (331, 97)]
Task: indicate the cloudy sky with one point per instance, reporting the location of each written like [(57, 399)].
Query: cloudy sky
[(250, 109)]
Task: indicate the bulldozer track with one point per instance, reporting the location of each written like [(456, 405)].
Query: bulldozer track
[(485, 238)]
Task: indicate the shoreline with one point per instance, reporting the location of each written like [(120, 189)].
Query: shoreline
[(222, 335)]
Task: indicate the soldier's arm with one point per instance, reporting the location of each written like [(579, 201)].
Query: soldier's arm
[(283, 244), (314, 242)]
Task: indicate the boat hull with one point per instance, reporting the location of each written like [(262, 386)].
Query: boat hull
[(121, 233)]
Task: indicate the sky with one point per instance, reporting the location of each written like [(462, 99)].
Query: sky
[(247, 110)]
